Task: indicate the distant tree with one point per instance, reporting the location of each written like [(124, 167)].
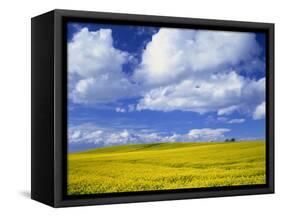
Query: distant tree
[(232, 140), (227, 140)]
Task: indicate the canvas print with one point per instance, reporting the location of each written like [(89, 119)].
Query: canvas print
[(153, 108)]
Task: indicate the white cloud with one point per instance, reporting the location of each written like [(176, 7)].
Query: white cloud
[(207, 134), (219, 119), (228, 110), (236, 121), (259, 112), (119, 109), (223, 119), (174, 54), (90, 51), (95, 68), (89, 134), (190, 70), (221, 93), (187, 70)]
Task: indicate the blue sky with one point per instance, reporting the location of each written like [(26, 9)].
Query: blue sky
[(133, 84)]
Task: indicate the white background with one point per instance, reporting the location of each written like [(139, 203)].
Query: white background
[(15, 106)]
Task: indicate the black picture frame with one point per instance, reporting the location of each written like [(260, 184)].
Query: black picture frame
[(49, 108)]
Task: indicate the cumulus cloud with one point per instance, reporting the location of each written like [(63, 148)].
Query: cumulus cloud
[(207, 134), (180, 69), (174, 54), (222, 93), (191, 70), (95, 68), (89, 134), (259, 112)]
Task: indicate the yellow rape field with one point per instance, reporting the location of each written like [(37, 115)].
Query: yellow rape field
[(163, 166)]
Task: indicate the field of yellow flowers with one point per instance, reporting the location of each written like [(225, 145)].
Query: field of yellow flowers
[(164, 166)]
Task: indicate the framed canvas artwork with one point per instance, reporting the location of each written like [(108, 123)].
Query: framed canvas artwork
[(131, 108)]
